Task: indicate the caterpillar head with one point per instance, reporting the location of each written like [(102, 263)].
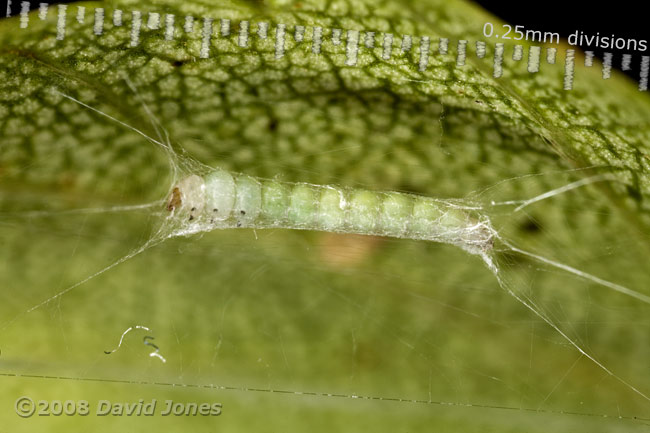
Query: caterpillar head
[(187, 198)]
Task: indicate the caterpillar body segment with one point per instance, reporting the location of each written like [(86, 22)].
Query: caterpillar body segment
[(220, 200)]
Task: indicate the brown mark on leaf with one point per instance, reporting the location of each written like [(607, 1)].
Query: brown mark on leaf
[(347, 250)]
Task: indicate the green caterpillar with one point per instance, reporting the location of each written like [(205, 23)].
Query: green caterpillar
[(220, 200)]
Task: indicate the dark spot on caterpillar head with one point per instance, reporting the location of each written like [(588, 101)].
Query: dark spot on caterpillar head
[(243, 212), (178, 63), (175, 200), (273, 124), (193, 209), (215, 210), (238, 224), (191, 217)]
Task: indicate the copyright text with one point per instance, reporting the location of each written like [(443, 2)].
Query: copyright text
[(26, 407)]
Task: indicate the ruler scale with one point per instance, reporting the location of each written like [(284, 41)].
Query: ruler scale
[(352, 41)]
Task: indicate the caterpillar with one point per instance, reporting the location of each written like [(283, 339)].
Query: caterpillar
[(220, 200)]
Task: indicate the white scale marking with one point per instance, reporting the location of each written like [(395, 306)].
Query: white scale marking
[(242, 41), (205, 42), (498, 60), (169, 27), (98, 28), (81, 14), (388, 46), (24, 14), (279, 41), (60, 22), (136, 22), (462, 53), (189, 24), (569, 69), (117, 17), (645, 66), (626, 62), (42, 11), (480, 49), (299, 34), (407, 42), (262, 30), (589, 58), (424, 53), (534, 56), (443, 45), (153, 23), (352, 48), (370, 40), (607, 65), (518, 53), (336, 36), (317, 40), (225, 27), (8, 11), (551, 54)]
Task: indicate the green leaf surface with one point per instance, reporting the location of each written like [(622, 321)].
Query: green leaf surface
[(316, 312)]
